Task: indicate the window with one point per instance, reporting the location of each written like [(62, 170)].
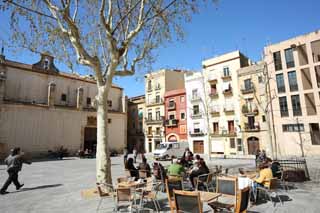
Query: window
[(314, 133), (283, 107), (183, 129), (171, 117), (171, 103), (182, 116), (293, 127), (263, 118), (232, 143), (158, 131), (239, 144), (213, 89), (196, 127), (109, 120), (46, 64), (196, 110), (63, 97), (149, 130), (280, 83), (247, 84), (260, 79), (231, 127), (109, 103), (182, 99), (315, 46), (317, 70), (296, 107), (215, 127), (158, 99), (158, 117), (226, 72), (293, 81), (194, 93), (149, 85), (277, 60), (88, 101), (302, 54), (289, 57), (149, 115)]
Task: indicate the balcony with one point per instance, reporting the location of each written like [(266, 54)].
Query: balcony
[(172, 123), (248, 89), (194, 98), (154, 102), (252, 128), (196, 115), (171, 106), (196, 133), (228, 92), (149, 89), (158, 87), (226, 77), (228, 108), (215, 110), (214, 95), (150, 121), (223, 133), (250, 109)]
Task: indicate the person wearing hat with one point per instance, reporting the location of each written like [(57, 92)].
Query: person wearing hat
[(14, 165)]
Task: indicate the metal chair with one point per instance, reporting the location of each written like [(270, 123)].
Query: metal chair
[(206, 180), (170, 186), (272, 189), (105, 191), (149, 193), (124, 195)]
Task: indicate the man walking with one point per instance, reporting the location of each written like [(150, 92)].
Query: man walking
[(14, 165)]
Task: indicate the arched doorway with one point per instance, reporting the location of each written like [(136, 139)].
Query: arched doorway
[(253, 145), (172, 138)]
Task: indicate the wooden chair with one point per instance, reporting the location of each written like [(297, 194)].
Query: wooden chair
[(227, 186), (186, 201), (105, 191), (122, 179), (272, 189), (170, 186)]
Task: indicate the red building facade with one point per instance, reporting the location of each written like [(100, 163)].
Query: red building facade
[(176, 115)]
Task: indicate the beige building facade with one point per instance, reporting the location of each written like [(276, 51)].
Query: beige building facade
[(294, 66), (254, 106), (136, 129), (221, 88), (42, 109), (156, 84)]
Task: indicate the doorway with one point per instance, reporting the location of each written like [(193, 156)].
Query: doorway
[(198, 147), (253, 145), (90, 139)]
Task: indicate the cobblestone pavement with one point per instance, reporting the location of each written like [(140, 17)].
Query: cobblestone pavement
[(55, 186)]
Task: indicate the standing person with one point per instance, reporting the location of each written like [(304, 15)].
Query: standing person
[(144, 166), (14, 165), (134, 172), (135, 153), (125, 155)]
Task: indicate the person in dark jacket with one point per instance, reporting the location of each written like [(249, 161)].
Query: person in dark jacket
[(202, 169), (144, 166), (134, 172), (14, 165)]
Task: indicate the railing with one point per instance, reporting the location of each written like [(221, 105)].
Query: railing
[(171, 122), (158, 87), (227, 92), (154, 121), (252, 128), (247, 90), (196, 115), (195, 97), (155, 102), (224, 133), (214, 94), (250, 109), (196, 133), (225, 76), (295, 170), (215, 110), (228, 108)]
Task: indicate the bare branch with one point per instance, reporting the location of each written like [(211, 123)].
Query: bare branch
[(75, 10), (124, 72)]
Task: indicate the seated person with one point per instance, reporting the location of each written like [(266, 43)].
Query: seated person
[(195, 164), (176, 169), (145, 166), (276, 169), (265, 175), (202, 169), (134, 172), (187, 157)]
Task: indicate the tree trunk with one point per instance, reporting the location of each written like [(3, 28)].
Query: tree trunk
[(270, 149), (103, 165)]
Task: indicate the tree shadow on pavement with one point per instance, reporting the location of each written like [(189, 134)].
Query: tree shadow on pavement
[(38, 187)]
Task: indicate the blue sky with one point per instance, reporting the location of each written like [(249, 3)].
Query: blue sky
[(247, 25)]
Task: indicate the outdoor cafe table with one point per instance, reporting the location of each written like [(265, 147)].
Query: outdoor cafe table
[(208, 196), (131, 184)]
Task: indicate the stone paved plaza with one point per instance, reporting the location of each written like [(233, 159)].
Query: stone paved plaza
[(55, 186)]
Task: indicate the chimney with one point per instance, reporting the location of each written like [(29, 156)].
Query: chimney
[(79, 98), (51, 94)]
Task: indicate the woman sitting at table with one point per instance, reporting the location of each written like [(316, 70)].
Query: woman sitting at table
[(202, 169), (134, 172), (176, 169), (144, 166), (265, 175)]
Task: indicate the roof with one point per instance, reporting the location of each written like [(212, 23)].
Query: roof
[(31, 68)]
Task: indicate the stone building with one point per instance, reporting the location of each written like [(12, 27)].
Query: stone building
[(221, 86), (136, 130), (156, 84), (42, 109), (294, 66), (254, 106), (175, 115)]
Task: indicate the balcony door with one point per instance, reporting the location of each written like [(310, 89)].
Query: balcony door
[(231, 126), (198, 147), (253, 145)]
